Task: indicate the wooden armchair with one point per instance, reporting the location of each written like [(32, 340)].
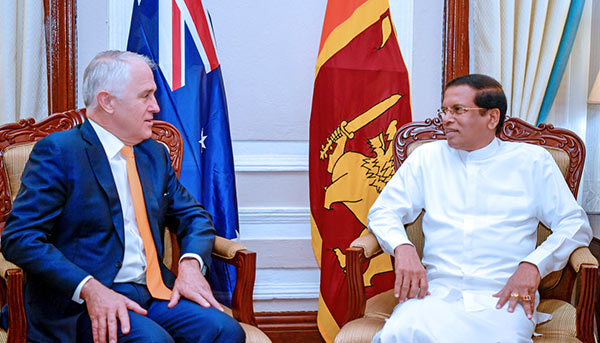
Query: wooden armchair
[(16, 142), (575, 284)]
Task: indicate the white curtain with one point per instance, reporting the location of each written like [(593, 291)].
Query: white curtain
[(591, 177), (24, 86), (570, 109), (516, 41)]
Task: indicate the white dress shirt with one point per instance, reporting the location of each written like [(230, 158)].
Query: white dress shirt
[(133, 268), (482, 209)]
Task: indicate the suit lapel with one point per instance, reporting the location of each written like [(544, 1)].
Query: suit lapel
[(101, 168), (144, 167)]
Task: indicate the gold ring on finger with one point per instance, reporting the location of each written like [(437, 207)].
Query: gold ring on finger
[(526, 297), (514, 295)]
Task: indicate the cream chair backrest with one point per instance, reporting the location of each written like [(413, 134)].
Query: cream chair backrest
[(17, 141), (14, 158)]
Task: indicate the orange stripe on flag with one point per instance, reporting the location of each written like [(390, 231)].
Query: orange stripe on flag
[(337, 12)]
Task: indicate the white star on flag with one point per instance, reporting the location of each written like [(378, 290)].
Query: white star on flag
[(202, 139)]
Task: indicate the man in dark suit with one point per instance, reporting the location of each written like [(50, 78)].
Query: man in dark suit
[(76, 227)]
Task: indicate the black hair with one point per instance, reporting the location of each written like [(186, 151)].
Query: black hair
[(489, 93)]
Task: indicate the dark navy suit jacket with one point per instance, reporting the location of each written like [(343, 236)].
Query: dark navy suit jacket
[(67, 223)]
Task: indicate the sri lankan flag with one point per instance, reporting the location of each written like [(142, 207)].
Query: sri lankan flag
[(361, 97)]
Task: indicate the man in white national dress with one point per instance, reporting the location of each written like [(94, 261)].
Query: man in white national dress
[(483, 199)]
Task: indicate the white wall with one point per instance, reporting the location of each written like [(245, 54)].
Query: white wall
[(267, 50), (92, 36)]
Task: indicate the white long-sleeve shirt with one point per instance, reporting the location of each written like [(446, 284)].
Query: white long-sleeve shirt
[(133, 268), (482, 209)]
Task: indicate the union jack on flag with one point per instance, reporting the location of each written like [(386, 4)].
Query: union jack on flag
[(171, 50), (178, 37)]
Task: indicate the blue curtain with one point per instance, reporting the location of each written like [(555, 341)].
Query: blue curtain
[(562, 57)]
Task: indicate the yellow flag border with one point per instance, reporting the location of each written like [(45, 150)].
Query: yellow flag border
[(327, 325), (364, 16), (317, 241)]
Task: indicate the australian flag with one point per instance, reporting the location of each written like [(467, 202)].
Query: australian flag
[(178, 37)]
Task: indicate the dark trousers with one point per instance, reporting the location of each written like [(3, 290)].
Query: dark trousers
[(186, 322)]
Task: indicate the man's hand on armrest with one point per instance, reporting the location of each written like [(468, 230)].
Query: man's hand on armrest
[(104, 307), (521, 286), (411, 277), (191, 284)]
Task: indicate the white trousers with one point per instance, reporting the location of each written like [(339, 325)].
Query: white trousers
[(443, 320)]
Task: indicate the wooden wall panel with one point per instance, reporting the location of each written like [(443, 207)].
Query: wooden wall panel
[(290, 327), (61, 54), (456, 40)]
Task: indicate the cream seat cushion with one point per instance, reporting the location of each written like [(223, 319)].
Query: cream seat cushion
[(253, 334), (560, 329)]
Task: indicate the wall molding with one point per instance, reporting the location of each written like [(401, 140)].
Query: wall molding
[(263, 219), (274, 223), (274, 215), (286, 290), (270, 156), (271, 163)]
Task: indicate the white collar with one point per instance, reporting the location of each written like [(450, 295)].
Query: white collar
[(112, 145), (482, 153)]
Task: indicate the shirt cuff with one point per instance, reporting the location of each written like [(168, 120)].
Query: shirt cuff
[(76, 295), (539, 258), (391, 242), (203, 267)]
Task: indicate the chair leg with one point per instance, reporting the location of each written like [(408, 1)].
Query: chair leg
[(16, 307), (597, 306)]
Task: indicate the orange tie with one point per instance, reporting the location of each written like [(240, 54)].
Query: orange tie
[(154, 280)]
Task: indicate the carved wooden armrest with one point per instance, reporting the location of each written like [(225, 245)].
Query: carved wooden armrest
[(360, 251), (6, 266), (226, 249), (244, 260), (369, 245), (11, 293), (580, 257), (586, 266)]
